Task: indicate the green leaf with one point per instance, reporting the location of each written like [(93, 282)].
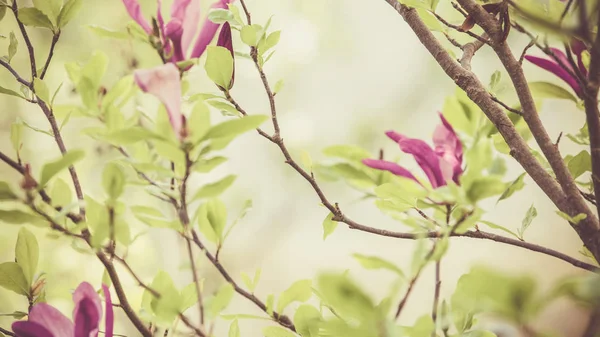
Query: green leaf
[(374, 262), (95, 68), (61, 194), (226, 109), (52, 168), (249, 35), (12, 47), (485, 187), (329, 225), (41, 90), (212, 218), (277, 331), (16, 136), (529, 216), (50, 8), (234, 329), (33, 17), (495, 226), (581, 163), (105, 32), (6, 192), (199, 121), (300, 291), (425, 4), (13, 279), (27, 254), (402, 192), (277, 87), (10, 92), (166, 308), (349, 152), (346, 297), (235, 127), (207, 165), (219, 66), (16, 217), (251, 284), (515, 186), (575, 220), (189, 296), (549, 90), (214, 189), (306, 320), (113, 180), (68, 12), (219, 15), (269, 303), (221, 300)]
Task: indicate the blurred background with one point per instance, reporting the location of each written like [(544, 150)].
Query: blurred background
[(352, 70)]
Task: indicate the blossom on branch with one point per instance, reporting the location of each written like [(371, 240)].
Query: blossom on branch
[(557, 66), (164, 83), (177, 35), (440, 164), (46, 321)]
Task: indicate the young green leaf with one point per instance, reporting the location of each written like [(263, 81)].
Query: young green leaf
[(328, 225), (68, 12), (60, 193), (41, 90), (575, 220), (33, 17), (12, 47), (235, 127), (16, 217), (300, 291), (207, 165), (113, 181), (13, 279), (549, 90), (277, 87), (581, 163), (306, 320), (50, 8), (234, 329), (6, 192), (10, 92), (529, 216), (52, 168), (374, 262), (16, 136), (219, 65), (214, 189), (221, 300), (515, 186), (27, 253), (249, 35)]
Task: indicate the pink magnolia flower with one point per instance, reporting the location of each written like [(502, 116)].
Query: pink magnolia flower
[(441, 164), (46, 321), (177, 35), (164, 83), (551, 65)]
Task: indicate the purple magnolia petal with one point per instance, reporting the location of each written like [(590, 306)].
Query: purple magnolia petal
[(390, 167), (208, 31), (88, 311), (52, 320), (163, 82), (449, 148), (426, 158), (133, 8), (556, 70), (395, 136), (30, 329), (174, 32), (226, 42), (562, 58), (187, 13), (110, 318), (161, 27)]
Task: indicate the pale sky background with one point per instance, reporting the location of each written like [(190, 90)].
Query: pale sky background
[(352, 70)]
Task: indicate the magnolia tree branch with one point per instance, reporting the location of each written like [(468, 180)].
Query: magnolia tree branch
[(593, 114), (15, 10), (55, 38), (588, 229), (7, 332), (519, 149)]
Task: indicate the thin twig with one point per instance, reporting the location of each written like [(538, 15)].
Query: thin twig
[(23, 30), (505, 106), (460, 30), (469, 51), (55, 38), (436, 293), (283, 320), (7, 332)]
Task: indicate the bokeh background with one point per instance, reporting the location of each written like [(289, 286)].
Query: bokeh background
[(352, 70)]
